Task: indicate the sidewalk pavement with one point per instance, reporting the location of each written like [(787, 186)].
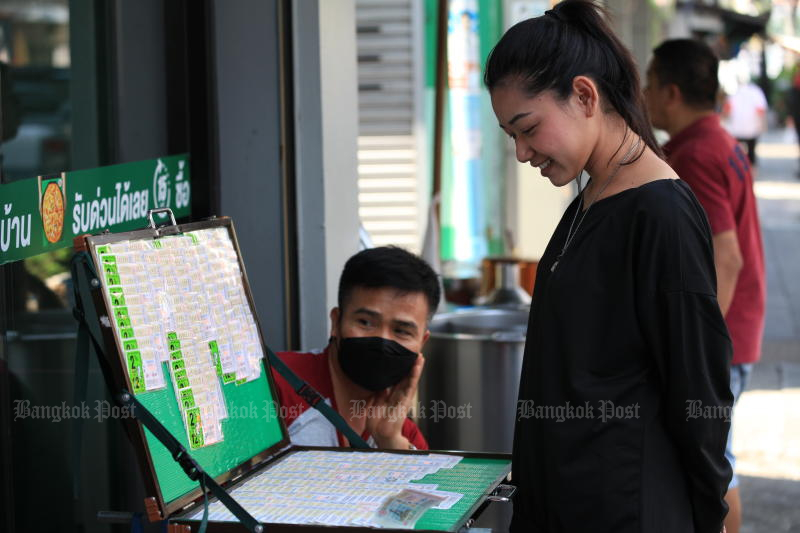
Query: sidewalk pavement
[(766, 424)]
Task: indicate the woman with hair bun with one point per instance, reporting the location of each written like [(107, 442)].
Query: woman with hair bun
[(624, 397)]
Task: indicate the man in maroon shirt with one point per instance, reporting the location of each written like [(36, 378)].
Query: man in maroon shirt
[(681, 92), (370, 368)]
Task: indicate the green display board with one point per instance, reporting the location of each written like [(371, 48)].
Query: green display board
[(276, 489), (253, 428), (473, 476), (168, 297)]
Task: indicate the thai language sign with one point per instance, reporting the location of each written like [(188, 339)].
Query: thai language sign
[(45, 213)]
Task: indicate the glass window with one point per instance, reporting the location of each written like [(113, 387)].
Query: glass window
[(36, 133), (35, 59)]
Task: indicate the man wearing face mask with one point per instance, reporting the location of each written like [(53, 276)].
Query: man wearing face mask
[(370, 368)]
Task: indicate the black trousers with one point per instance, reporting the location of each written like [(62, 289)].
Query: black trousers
[(750, 145)]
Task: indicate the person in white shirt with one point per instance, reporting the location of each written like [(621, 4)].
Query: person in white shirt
[(745, 116)]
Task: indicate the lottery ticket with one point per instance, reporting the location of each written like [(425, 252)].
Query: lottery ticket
[(403, 509)]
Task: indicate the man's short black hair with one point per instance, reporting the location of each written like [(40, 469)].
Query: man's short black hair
[(393, 267), (692, 66)]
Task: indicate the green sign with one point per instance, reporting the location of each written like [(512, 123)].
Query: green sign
[(45, 213)]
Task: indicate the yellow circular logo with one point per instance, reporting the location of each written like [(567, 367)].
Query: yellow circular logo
[(53, 212)]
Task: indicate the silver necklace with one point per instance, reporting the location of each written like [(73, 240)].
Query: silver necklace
[(570, 233)]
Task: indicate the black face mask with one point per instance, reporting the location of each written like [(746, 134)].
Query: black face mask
[(375, 363)]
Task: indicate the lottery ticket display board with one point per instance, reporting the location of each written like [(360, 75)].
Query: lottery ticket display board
[(178, 322), (179, 301)]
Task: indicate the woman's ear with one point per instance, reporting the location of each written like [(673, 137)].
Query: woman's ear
[(588, 97)]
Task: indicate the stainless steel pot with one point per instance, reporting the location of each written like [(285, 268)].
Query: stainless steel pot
[(468, 390)]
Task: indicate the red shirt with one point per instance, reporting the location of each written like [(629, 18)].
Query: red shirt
[(304, 422), (716, 168)]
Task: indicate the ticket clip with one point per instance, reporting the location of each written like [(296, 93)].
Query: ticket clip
[(167, 229)]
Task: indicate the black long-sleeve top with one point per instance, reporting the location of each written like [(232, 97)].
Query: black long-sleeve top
[(624, 402)]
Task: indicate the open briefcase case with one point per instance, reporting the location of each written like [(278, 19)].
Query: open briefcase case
[(170, 314)]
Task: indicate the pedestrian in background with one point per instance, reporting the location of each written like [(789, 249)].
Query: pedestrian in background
[(794, 103), (624, 319), (744, 115), (681, 89)]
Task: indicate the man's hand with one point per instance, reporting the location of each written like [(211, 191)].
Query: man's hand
[(387, 410)]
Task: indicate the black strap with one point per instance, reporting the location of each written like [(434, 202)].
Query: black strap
[(188, 464), (315, 400)]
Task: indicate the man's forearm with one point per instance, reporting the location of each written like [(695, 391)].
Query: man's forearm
[(728, 263), (726, 286)]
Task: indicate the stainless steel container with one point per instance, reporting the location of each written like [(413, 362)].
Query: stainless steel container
[(468, 390)]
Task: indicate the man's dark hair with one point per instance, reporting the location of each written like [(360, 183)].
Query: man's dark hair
[(393, 267), (692, 66)]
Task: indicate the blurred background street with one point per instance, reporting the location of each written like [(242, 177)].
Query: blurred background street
[(767, 418)]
